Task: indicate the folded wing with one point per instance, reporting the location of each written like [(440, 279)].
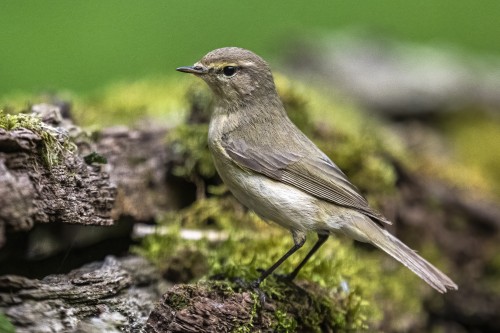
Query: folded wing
[(314, 174)]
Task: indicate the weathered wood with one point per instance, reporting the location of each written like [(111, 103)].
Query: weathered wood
[(31, 191), (191, 308), (111, 296), (132, 182), (137, 164), (215, 307)]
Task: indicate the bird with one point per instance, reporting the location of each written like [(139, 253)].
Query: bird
[(274, 169)]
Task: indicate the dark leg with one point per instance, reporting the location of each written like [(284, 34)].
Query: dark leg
[(299, 239), (321, 239)]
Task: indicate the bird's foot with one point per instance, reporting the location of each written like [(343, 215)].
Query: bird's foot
[(255, 284)]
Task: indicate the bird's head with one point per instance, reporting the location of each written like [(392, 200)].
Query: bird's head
[(235, 75)]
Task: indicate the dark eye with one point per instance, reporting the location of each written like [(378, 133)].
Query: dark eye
[(229, 70)]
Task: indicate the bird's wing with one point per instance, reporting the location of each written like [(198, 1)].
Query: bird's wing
[(314, 174)]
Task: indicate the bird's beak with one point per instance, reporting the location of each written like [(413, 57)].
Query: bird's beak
[(196, 69)]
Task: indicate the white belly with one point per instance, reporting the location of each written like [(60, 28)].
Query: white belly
[(272, 200)]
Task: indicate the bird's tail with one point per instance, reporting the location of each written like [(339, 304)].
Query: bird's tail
[(367, 230)]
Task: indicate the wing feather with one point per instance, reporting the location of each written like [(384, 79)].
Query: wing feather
[(315, 174)]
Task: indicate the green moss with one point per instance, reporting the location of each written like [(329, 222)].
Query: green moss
[(284, 322), (126, 103), (492, 272), (178, 302), (219, 213), (5, 325), (296, 104), (95, 157), (254, 312), (312, 308), (159, 98), (470, 133), (161, 248), (55, 144), (189, 143)]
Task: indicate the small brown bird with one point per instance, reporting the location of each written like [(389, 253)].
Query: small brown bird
[(274, 169)]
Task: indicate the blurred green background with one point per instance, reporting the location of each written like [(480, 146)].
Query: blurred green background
[(84, 45)]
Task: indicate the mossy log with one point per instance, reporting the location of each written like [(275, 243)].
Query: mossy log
[(222, 306), (186, 308), (100, 181), (42, 180)]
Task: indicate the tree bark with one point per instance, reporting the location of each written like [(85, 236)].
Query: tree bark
[(116, 295), (31, 191)]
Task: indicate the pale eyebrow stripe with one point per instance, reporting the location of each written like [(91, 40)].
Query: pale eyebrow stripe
[(247, 63), (220, 65)]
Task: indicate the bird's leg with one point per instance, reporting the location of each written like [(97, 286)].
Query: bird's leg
[(321, 239), (299, 238)]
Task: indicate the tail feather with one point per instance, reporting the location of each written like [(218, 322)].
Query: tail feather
[(402, 253), (418, 265)]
